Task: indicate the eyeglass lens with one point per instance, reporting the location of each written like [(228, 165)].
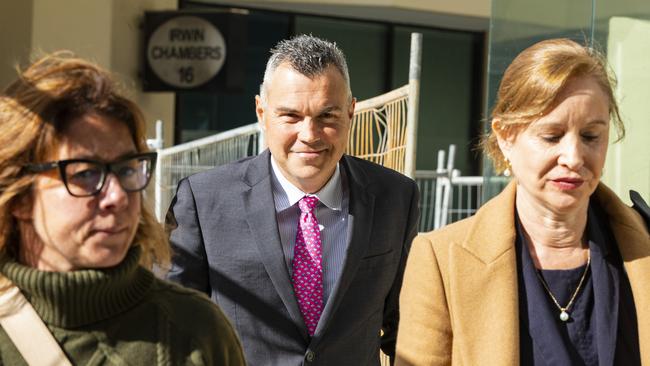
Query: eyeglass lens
[(87, 178)]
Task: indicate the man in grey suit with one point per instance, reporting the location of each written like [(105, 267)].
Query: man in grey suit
[(303, 247)]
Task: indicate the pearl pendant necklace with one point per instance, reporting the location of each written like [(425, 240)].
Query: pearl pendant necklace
[(564, 311), (564, 316)]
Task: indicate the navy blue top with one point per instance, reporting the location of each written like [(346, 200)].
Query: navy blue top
[(578, 331), (602, 329)]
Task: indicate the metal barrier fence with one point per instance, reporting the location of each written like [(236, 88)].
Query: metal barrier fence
[(378, 129), (446, 196), (445, 199), (179, 161)]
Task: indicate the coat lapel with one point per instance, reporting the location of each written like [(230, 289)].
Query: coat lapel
[(485, 299), (260, 214), (360, 216), (634, 245)]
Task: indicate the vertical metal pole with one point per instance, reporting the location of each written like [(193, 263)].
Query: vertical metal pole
[(413, 104), (158, 176), (592, 32), (437, 211)]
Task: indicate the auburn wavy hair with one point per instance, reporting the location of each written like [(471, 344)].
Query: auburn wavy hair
[(532, 82), (34, 112)]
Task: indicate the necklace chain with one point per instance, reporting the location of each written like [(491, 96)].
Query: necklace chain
[(564, 314)]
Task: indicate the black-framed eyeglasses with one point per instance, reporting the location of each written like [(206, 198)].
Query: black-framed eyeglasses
[(86, 177)]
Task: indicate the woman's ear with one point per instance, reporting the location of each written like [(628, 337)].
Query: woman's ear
[(504, 137), (22, 208)]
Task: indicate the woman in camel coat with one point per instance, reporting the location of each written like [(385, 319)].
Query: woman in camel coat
[(555, 270)]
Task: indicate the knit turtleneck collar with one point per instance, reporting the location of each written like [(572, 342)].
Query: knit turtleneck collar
[(77, 298)]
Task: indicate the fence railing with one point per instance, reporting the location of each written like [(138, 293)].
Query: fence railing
[(445, 199), (182, 160), (378, 130), (446, 196)]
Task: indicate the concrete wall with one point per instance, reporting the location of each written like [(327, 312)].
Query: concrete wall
[(78, 25), (478, 8), (450, 14), (104, 31), (126, 58), (15, 43)]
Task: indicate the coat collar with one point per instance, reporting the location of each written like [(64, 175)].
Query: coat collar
[(492, 232)]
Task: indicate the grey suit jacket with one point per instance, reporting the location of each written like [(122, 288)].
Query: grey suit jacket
[(226, 244)]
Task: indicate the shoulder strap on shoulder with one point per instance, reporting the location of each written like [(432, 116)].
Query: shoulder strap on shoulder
[(27, 331), (641, 206)]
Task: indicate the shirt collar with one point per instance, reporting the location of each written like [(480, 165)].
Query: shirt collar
[(331, 195)]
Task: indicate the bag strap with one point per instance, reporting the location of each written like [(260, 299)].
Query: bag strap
[(27, 331), (641, 207)]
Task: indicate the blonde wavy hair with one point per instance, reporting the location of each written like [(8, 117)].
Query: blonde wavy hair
[(34, 112), (531, 84)]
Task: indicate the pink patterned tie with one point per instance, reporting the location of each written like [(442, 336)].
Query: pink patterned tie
[(307, 270)]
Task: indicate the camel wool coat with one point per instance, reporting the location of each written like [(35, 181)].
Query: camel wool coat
[(459, 302)]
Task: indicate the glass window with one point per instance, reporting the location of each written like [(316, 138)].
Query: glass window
[(450, 93), (367, 64), (200, 114), (620, 28)]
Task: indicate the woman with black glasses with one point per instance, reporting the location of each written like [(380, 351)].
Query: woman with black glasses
[(76, 239)]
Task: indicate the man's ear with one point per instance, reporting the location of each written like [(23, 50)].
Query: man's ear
[(504, 137), (259, 111), (353, 104)]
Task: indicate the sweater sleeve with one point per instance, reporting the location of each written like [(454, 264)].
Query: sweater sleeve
[(199, 332), (221, 348)]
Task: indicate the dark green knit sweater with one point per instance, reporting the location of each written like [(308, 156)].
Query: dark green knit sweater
[(123, 316)]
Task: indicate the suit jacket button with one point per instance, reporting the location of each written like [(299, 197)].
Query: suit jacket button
[(309, 356)]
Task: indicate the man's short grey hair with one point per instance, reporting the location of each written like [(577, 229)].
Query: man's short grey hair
[(309, 56)]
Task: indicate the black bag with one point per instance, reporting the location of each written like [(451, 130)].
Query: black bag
[(641, 206)]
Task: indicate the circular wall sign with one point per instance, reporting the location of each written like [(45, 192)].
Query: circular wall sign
[(186, 51)]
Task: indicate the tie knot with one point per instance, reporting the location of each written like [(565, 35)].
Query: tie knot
[(307, 203)]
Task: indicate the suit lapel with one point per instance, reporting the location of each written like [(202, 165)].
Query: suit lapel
[(260, 214), (634, 245), (360, 220), (485, 299)]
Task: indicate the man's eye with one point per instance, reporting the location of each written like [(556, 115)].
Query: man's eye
[(590, 137)]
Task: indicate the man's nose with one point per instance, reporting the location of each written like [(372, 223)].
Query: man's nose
[(309, 130)]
